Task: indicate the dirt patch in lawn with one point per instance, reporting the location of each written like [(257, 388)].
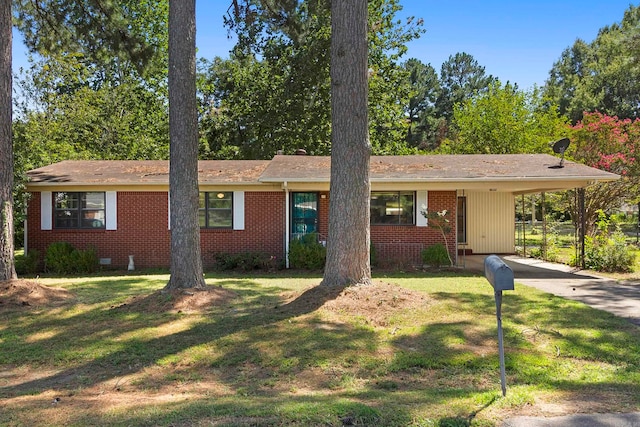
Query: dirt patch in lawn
[(375, 303), (179, 300), (29, 293)]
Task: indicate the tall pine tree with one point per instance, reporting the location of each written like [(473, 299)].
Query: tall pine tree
[(349, 235), (7, 266), (186, 261)]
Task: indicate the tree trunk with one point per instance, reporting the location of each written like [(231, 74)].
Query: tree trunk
[(348, 240), (186, 262), (7, 267)]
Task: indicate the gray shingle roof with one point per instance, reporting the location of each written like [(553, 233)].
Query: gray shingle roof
[(459, 167), (144, 172), (433, 168)]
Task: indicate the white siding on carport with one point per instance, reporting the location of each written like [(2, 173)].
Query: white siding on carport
[(490, 222)]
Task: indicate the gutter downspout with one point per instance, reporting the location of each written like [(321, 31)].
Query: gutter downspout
[(24, 237), (286, 224), (456, 229)]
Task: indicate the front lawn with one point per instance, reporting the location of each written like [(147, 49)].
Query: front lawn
[(416, 349)]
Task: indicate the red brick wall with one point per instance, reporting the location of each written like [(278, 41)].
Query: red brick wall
[(143, 231), (264, 223), (323, 215)]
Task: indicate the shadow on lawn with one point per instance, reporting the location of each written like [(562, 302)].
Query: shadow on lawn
[(536, 351), (92, 326), (242, 361), (452, 350)]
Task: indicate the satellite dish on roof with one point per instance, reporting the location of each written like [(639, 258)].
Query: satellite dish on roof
[(559, 147)]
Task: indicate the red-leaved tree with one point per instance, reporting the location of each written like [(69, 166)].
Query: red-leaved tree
[(607, 143)]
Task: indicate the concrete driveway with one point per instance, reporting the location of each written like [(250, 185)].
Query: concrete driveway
[(621, 299)]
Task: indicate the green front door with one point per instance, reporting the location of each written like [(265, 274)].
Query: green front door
[(304, 214)]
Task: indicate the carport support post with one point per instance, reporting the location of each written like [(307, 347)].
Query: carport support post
[(637, 229), (583, 226), (503, 374), (524, 229), (544, 228)]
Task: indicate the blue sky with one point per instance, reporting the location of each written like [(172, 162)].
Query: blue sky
[(516, 41)]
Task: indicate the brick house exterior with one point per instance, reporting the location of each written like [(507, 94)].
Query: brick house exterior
[(134, 217)]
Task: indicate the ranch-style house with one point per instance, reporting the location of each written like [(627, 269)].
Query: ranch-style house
[(121, 208)]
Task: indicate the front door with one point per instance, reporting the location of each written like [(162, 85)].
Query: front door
[(304, 214)]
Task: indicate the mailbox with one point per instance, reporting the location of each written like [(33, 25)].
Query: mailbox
[(500, 276), (498, 273)]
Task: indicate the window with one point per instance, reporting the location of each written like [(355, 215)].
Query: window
[(393, 208), (462, 219), (216, 209), (79, 210)]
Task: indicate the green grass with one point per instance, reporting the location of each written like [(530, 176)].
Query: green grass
[(256, 361), (564, 233)]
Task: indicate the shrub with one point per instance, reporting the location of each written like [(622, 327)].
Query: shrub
[(57, 258), (553, 253), (85, 261), (610, 254), (441, 221), (607, 251), (307, 253), (225, 261), (29, 263), (63, 258), (248, 261), (435, 256), (619, 257), (245, 261)]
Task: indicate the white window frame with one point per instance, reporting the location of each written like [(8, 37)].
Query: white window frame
[(111, 210), (238, 210)]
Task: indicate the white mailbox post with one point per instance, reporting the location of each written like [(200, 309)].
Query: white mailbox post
[(500, 276)]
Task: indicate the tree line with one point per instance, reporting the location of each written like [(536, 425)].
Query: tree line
[(273, 91), (93, 90)]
